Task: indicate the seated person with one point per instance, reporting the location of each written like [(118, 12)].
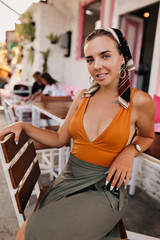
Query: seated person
[(52, 87), (89, 197), (37, 87)]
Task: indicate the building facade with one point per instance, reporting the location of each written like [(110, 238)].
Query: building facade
[(72, 20)]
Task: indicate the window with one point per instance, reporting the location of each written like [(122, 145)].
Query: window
[(91, 12)]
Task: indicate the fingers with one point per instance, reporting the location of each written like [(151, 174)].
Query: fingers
[(14, 128), (16, 138), (117, 178), (4, 133), (111, 172), (128, 174)]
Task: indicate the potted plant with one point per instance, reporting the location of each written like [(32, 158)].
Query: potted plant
[(53, 38), (45, 55)]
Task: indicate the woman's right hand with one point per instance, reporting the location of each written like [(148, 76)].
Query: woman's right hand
[(15, 128)]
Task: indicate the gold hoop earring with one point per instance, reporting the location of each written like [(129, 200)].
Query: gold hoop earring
[(91, 80), (122, 72)]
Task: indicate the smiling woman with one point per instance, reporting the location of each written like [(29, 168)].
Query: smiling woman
[(102, 121)]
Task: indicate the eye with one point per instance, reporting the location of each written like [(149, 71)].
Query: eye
[(89, 60), (105, 56)]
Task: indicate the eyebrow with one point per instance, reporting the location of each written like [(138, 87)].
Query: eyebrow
[(107, 51)]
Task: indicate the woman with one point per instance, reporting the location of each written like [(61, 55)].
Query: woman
[(52, 87), (87, 200)]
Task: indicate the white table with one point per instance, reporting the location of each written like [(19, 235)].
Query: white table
[(21, 109)]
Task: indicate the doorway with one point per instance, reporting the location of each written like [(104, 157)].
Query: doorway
[(144, 48)]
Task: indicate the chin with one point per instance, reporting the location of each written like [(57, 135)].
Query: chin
[(103, 83)]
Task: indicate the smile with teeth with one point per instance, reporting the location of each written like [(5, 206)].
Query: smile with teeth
[(101, 75)]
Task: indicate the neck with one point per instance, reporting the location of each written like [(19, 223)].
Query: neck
[(39, 83), (109, 91)]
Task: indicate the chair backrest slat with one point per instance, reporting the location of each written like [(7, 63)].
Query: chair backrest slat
[(24, 192), (18, 169), (11, 149)]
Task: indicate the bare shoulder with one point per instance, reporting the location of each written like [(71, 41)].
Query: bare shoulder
[(75, 104), (78, 100), (142, 100)]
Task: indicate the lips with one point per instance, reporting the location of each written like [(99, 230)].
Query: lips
[(101, 75)]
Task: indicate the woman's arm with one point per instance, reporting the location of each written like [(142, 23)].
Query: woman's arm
[(143, 114), (50, 138)]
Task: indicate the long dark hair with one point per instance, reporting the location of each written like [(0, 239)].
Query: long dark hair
[(48, 78), (101, 32)]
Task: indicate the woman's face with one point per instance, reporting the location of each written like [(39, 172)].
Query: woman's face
[(103, 60), (44, 82)]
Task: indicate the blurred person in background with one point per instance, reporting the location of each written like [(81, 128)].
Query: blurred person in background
[(52, 87), (37, 87)]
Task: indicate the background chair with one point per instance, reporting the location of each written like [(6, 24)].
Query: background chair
[(9, 112), (22, 171), (21, 90)]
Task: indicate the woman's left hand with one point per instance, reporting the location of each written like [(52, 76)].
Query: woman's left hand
[(121, 168)]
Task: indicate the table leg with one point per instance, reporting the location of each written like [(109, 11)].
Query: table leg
[(35, 117), (19, 114), (61, 159)]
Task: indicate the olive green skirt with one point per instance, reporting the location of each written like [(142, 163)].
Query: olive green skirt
[(78, 206)]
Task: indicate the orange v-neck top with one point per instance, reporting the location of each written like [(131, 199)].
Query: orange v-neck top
[(108, 144)]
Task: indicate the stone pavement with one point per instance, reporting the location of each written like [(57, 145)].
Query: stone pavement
[(142, 214)]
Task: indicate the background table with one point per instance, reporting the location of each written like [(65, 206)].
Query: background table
[(55, 110)]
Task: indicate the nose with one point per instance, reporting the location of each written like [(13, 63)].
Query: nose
[(97, 63)]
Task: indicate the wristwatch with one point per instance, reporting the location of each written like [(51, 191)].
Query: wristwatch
[(137, 147)]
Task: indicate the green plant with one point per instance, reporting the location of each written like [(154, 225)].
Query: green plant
[(45, 55), (26, 17), (26, 29), (31, 55), (17, 54), (53, 38)]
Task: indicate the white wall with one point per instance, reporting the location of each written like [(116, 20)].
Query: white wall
[(57, 17), (148, 175), (48, 20)]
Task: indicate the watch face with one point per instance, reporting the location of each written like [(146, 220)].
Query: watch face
[(138, 148)]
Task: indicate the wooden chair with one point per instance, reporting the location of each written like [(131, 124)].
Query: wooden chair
[(9, 112), (22, 171), (49, 155)]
